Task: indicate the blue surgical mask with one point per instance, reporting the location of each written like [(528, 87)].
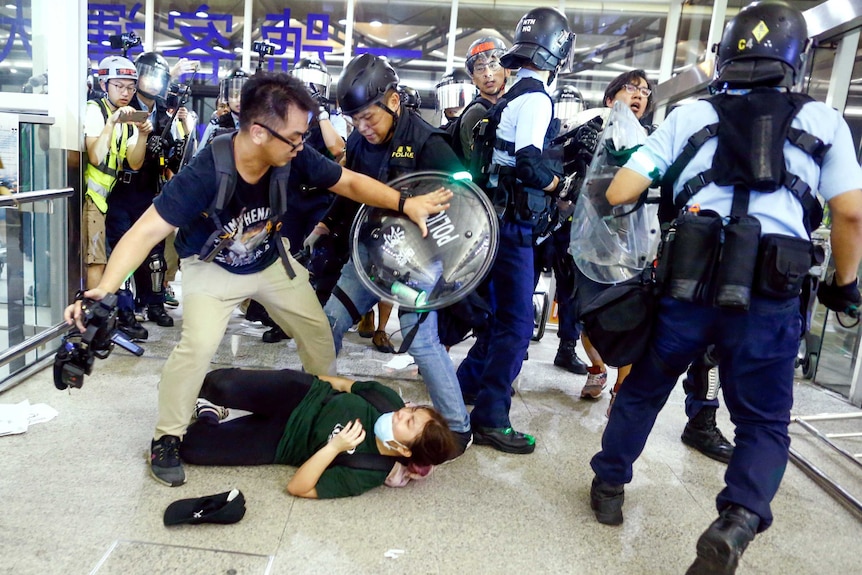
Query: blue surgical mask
[(383, 430)]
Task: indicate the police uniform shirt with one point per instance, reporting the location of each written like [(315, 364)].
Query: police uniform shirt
[(524, 121), (780, 211)]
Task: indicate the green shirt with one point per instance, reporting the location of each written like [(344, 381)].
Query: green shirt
[(321, 415)]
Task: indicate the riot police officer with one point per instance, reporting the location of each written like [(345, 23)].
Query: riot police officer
[(389, 141), (230, 89), (752, 318), (521, 186), (454, 91)]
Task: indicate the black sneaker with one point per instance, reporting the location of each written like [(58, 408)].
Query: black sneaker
[(130, 326), (702, 433), (568, 359), (504, 439), (156, 312), (606, 501), (721, 546), (165, 464), (274, 335)]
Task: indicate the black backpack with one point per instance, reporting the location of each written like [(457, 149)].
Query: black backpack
[(453, 129)]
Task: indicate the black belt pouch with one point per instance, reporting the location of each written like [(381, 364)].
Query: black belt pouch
[(783, 264), (737, 264), (694, 254)]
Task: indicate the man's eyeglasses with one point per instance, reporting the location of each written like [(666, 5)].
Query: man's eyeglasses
[(124, 89), (631, 89), (281, 138), (492, 66)]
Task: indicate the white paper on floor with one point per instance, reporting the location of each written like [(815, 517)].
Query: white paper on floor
[(400, 361), (17, 417)]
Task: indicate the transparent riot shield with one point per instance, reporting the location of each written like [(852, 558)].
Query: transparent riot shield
[(397, 264), (611, 244)]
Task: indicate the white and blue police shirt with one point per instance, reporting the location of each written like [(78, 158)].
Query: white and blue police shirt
[(524, 121), (779, 212)]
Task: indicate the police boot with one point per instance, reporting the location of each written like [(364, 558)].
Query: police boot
[(721, 546), (568, 359), (702, 433), (130, 326), (156, 312)]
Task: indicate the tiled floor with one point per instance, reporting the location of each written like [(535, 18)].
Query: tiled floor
[(77, 497)]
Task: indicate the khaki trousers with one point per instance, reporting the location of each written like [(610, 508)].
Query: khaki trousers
[(210, 294)]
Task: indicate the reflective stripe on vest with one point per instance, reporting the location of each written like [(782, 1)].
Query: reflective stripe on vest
[(101, 178)]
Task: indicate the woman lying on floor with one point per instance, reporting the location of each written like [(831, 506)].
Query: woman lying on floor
[(317, 423)]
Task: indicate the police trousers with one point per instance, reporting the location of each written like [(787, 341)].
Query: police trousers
[(757, 350)]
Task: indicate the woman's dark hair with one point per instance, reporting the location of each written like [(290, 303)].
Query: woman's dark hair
[(436, 443), (620, 81), (266, 97)]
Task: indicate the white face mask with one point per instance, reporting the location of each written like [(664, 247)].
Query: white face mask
[(383, 430)]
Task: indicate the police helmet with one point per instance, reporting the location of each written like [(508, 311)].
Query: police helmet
[(455, 90), (764, 44), (409, 97), (543, 38), (117, 67), (364, 81), (568, 102), (484, 49), (231, 85), (154, 75), (312, 71)]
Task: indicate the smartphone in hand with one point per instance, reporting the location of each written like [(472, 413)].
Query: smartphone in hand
[(139, 116)]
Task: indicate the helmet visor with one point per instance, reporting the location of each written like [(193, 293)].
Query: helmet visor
[(455, 95), (317, 78), (153, 81), (568, 108)]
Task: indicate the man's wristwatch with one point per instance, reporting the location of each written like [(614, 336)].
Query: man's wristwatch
[(322, 115)]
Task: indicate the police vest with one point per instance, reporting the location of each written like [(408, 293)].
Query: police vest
[(101, 178), (750, 154), (409, 139)]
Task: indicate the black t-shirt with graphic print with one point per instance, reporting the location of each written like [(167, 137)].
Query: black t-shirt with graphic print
[(192, 191)]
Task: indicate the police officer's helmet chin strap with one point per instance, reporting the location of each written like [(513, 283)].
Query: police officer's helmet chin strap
[(394, 115)]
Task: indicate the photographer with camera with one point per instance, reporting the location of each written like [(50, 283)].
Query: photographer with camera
[(114, 145), (233, 249), (135, 191)]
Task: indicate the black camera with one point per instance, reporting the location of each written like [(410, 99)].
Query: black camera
[(263, 48), (124, 41), (78, 350)]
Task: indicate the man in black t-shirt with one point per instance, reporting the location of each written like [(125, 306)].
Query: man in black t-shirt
[(275, 113)]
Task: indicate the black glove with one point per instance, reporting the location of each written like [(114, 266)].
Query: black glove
[(844, 299), (565, 187), (587, 136)]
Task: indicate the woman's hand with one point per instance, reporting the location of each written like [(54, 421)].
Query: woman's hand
[(418, 208), (349, 437)]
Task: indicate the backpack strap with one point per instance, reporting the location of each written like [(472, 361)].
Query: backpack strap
[(667, 209), (222, 148), (369, 461), (278, 181)]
